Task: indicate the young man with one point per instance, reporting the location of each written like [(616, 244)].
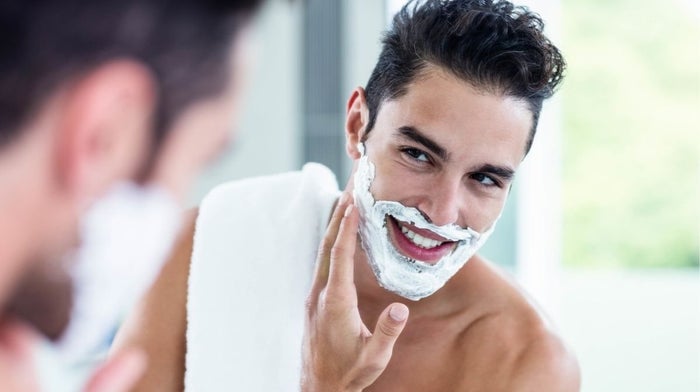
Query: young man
[(94, 94), (436, 137)]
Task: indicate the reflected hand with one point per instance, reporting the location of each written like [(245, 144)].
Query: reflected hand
[(339, 351)]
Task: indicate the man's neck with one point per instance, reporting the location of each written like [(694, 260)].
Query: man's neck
[(14, 244), (372, 298), (22, 220)]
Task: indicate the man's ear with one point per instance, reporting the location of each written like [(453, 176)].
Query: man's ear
[(104, 130), (356, 118)]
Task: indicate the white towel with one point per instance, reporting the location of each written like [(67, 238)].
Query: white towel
[(255, 246)]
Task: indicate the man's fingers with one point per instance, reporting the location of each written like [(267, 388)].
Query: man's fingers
[(343, 252), (323, 259), (389, 326), (120, 373), (17, 367), (16, 339)]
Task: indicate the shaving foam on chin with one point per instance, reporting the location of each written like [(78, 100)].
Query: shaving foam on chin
[(409, 278)]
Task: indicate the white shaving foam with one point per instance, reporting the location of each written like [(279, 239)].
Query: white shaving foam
[(407, 277)]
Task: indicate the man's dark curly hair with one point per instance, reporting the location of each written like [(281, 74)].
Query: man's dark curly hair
[(493, 45), (45, 44)]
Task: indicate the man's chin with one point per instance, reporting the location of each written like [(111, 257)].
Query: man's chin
[(43, 299)]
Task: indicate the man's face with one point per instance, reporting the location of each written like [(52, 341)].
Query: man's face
[(203, 131), (451, 152), (199, 133)]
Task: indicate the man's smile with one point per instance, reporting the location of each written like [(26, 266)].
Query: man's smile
[(418, 244)]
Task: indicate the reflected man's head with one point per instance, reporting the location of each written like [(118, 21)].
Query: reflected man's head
[(448, 115), (496, 47)]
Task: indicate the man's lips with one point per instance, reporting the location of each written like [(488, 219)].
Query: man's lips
[(430, 252)]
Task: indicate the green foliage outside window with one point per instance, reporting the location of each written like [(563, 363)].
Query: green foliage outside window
[(631, 133)]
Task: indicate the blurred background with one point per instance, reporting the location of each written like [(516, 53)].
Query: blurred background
[(602, 226)]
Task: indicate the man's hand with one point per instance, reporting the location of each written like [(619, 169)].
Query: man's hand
[(119, 373), (18, 372), (340, 354)]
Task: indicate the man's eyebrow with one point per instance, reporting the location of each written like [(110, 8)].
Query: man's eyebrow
[(415, 135), (504, 172), (410, 132)]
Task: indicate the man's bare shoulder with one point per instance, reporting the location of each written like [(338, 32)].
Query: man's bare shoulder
[(159, 323), (545, 364), (512, 343)]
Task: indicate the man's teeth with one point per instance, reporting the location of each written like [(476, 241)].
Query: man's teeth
[(419, 240)]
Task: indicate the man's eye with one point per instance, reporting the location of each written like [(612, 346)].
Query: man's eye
[(416, 154), (483, 179)]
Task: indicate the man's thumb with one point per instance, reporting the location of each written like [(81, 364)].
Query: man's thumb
[(389, 326), (398, 314)]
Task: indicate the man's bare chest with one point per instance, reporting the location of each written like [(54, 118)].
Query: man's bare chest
[(428, 363), (446, 359)]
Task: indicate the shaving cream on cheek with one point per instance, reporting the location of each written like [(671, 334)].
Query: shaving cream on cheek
[(402, 275)]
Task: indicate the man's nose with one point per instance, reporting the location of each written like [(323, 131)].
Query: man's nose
[(443, 201)]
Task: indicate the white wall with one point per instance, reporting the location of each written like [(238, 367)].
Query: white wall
[(539, 218), (364, 24)]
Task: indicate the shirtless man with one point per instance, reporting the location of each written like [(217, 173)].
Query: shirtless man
[(95, 94), (437, 136)]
